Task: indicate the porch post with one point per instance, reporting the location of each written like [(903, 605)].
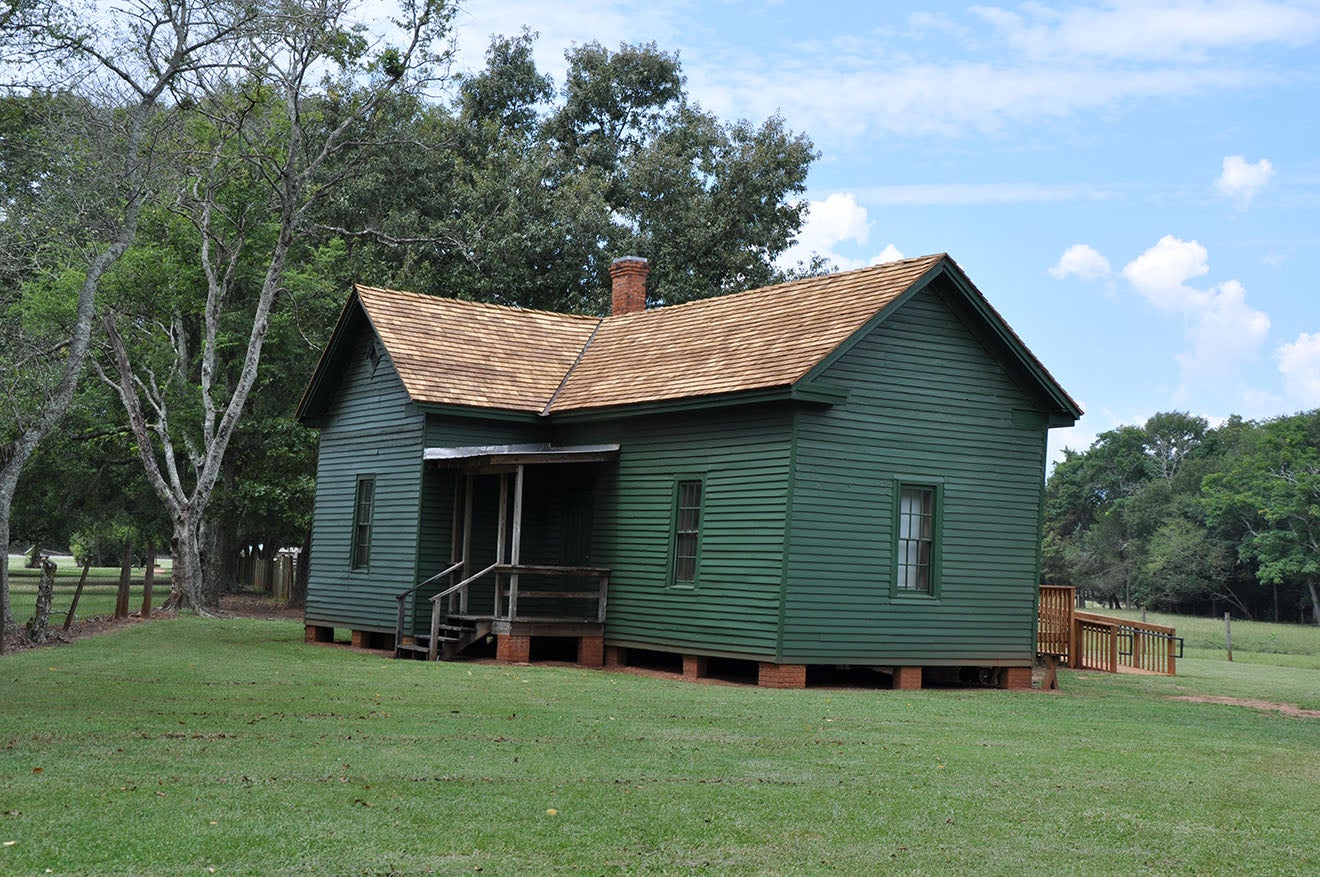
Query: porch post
[(467, 540), (499, 541), (517, 539)]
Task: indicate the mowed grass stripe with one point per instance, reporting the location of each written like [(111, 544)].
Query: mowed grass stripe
[(191, 744)]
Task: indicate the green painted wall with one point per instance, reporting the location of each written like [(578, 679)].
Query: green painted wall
[(928, 402), (370, 429), (742, 454)]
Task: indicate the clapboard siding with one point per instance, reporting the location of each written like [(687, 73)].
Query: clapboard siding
[(371, 429), (927, 402), (743, 458)]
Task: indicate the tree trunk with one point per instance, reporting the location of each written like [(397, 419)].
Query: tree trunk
[(218, 563), (40, 625), (125, 581), (186, 588), (149, 579), (6, 614), (1315, 601)]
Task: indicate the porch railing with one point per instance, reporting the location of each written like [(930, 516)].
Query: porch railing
[(508, 593)]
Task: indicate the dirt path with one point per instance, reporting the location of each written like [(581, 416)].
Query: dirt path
[(1286, 708)]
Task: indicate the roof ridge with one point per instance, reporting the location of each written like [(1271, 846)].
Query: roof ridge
[(569, 373), (470, 303), (832, 277)]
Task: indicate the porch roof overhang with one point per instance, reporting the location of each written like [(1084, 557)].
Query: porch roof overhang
[(484, 456)]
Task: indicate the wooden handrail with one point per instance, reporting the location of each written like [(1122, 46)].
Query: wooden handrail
[(403, 607), (455, 568), (463, 584)]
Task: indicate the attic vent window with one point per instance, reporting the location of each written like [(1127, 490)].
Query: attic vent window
[(373, 354)]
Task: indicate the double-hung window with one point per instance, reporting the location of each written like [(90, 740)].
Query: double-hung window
[(363, 504), (687, 532), (916, 539)]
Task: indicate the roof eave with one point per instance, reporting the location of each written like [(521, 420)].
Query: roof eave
[(313, 403), (814, 394), (481, 412)]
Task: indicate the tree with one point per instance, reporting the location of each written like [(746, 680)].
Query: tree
[(497, 199), (266, 147), (92, 170), (1170, 437), (1116, 514), (1181, 559), (1272, 489)]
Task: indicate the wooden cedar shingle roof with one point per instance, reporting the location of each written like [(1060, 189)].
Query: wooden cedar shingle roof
[(754, 340), (452, 352)]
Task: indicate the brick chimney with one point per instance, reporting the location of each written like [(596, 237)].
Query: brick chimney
[(628, 276)]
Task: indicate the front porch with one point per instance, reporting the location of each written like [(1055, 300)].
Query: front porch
[(520, 547)]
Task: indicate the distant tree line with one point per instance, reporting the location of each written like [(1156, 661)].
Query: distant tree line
[(189, 189), (1178, 516)]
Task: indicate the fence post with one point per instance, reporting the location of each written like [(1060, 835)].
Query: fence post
[(1113, 648), (1228, 633)]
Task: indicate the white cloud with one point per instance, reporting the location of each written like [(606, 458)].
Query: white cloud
[(959, 194), (1299, 363), (1242, 181), (1161, 273), (837, 219), (1082, 261), (1013, 67), (889, 254), (1222, 331), (1138, 29)]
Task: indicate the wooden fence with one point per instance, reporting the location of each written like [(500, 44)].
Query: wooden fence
[(1086, 641), (273, 575)]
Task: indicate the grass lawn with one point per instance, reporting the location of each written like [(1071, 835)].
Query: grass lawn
[(187, 745), (98, 597)]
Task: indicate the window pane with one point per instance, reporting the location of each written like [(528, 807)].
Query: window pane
[(915, 540), (362, 509), (687, 527)]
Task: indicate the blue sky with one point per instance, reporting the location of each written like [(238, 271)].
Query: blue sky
[(1135, 186)]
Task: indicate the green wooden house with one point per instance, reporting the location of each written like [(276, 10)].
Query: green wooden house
[(843, 470)]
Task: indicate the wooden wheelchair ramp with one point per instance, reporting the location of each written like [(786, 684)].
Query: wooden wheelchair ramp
[(1088, 641)]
